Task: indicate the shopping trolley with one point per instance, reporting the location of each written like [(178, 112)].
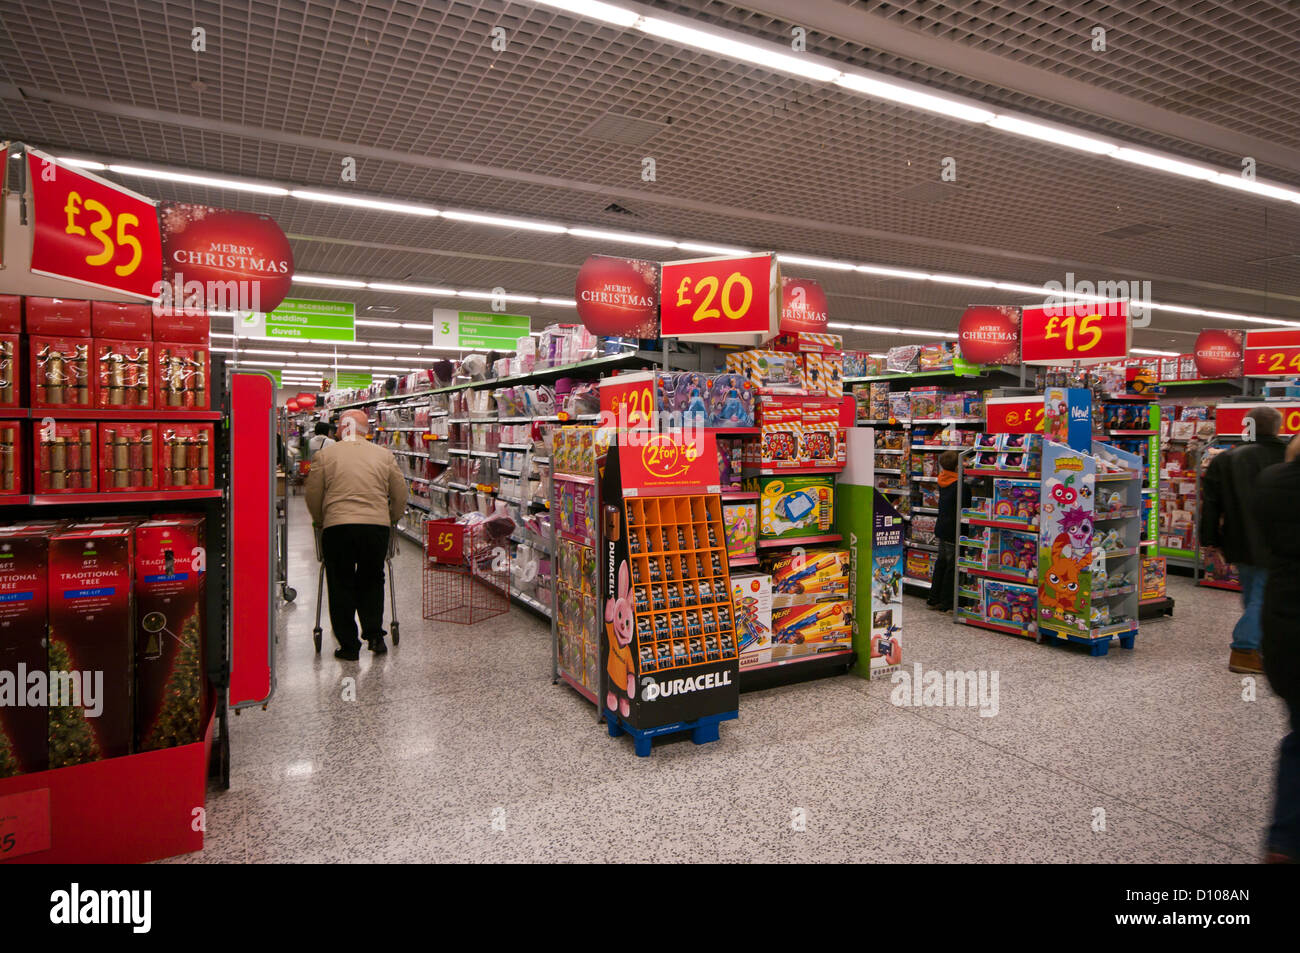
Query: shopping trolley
[(393, 627)]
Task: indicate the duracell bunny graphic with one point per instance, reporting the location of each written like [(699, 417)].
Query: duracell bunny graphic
[(620, 629)]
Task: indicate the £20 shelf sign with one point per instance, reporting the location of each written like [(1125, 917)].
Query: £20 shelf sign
[(1086, 333), (716, 298), (92, 232)]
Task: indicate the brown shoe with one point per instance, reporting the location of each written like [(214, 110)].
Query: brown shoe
[(1246, 663)]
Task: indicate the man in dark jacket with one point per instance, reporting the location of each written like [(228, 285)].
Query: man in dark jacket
[(1277, 506), (1229, 523), (945, 534)]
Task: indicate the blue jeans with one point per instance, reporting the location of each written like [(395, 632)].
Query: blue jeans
[(1284, 834), (1247, 634)]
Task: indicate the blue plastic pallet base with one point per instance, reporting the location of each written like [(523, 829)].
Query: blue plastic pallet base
[(703, 730), (1096, 647)]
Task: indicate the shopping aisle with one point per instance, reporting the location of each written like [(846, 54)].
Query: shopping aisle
[(458, 747)]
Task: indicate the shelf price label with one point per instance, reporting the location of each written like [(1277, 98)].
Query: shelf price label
[(1083, 333), (1014, 414), (92, 232), (24, 823), (445, 544), (717, 298), (628, 401)]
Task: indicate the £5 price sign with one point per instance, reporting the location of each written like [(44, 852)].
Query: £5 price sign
[(92, 232), (1088, 333), (722, 299), (445, 543)]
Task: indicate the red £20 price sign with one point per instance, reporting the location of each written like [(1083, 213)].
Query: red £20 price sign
[(719, 296), (629, 400), (1086, 333), (91, 231)]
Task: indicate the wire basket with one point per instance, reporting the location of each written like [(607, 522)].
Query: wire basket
[(466, 574)]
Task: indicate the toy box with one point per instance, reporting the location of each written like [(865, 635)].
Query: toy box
[(181, 378), (57, 317), (684, 394), (751, 600), (122, 374), (900, 407), (185, 456), (781, 432), (128, 457), (90, 637), (730, 401), (740, 526), (919, 564), (809, 629), (169, 634), (61, 371), (1154, 578), (923, 530), (812, 576), (927, 403), (65, 457), (808, 342), (731, 463), (1008, 602), (878, 400), (824, 374), (821, 439), (1015, 500), (937, 357), (1017, 553), (11, 457), (771, 372), (24, 745), (796, 505)]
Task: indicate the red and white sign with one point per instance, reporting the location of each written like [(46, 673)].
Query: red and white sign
[(664, 464), (803, 306), (1085, 333), (1218, 353), (24, 823), (445, 543), (723, 300), (1272, 353), (618, 297), (628, 400), (1230, 419), (305, 400), (1014, 414), (91, 231), (990, 334), (217, 246)]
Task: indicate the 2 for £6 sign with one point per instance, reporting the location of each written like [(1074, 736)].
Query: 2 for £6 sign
[(709, 297), (91, 231), (1064, 334)]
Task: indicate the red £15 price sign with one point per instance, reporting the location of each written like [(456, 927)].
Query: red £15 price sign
[(1069, 333), (91, 231), (719, 296)]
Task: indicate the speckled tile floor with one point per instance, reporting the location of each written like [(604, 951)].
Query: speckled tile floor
[(457, 747)]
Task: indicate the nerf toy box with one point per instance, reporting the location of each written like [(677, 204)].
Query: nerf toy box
[(751, 601), (809, 629), (817, 575), (794, 506)]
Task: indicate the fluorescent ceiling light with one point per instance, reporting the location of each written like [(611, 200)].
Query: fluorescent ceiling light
[(630, 237), (1052, 134), (220, 334), (558, 302), (392, 344), (1256, 187), (878, 355), (222, 350), (814, 262), (1146, 350), (706, 249), (332, 282), (269, 353), (412, 289), (719, 44), (1020, 289), (488, 295), (505, 222), (237, 185), (596, 10), (961, 280), (376, 324), (88, 164), (1163, 163), (1223, 315), (356, 201), (422, 327), (913, 97), (893, 272)]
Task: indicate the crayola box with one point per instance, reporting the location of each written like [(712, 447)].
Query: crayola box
[(809, 629), (169, 675), (794, 506), (24, 553), (91, 621)]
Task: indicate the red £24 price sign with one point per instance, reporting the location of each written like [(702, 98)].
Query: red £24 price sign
[(1069, 333), (93, 232), (1272, 353), (719, 296)]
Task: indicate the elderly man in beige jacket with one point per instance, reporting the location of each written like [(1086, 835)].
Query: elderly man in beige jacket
[(356, 493)]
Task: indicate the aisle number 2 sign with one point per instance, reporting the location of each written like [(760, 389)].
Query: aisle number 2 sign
[(726, 300), (1075, 333), (91, 231)]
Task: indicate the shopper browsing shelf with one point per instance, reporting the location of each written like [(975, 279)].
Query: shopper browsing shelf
[(1277, 506), (945, 533), (1229, 523), (356, 493), (319, 440)]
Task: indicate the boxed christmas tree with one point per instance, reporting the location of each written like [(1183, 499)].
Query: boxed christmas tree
[(24, 551)]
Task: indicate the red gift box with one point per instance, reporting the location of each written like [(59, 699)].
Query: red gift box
[(183, 325), (23, 619), (125, 322), (61, 371), (185, 456), (11, 459), (65, 457), (10, 370), (128, 457), (63, 317), (180, 376), (123, 374), (11, 314)]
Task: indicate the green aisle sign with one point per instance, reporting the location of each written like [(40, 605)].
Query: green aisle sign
[(343, 381), (301, 319), (479, 330)]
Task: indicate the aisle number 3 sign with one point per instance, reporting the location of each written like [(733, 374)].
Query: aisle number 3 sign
[(724, 300), (91, 231)]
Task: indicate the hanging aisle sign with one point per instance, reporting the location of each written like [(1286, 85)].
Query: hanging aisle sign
[(803, 306), (721, 300), (618, 297), (301, 319), (1230, 419), (1014, 414), (1272, 353), (479, 330), (88, 230), (1084, 333)]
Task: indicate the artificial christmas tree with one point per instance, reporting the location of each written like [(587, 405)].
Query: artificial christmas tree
[(72, 740), (9, 765), (178, 721)]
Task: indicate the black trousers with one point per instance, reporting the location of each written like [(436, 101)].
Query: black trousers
[(945, 567), (354, 572)]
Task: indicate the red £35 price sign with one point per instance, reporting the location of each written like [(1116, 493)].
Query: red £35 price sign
[(1068, 333), (91, 231), (719, 296)]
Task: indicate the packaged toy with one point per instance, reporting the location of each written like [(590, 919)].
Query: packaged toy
[(793, 506), (770, 372)]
